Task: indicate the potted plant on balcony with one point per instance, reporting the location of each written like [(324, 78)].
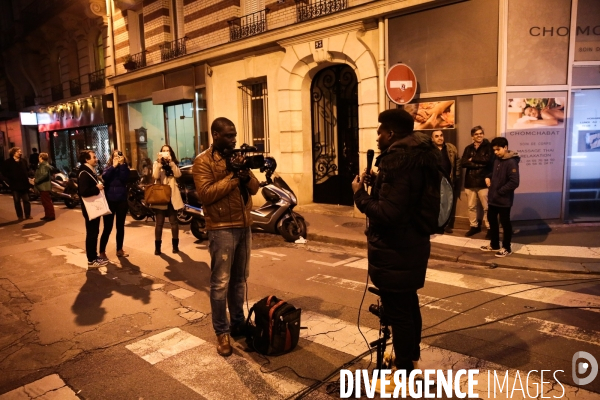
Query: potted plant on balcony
[(128, 63)]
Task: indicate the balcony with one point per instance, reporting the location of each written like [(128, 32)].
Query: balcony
[(248, 25), (57, 92), (75, 87), (97, 80), (174, 49), (135, 61), (305, 12)]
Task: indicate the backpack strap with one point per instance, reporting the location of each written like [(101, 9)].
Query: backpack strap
[(271, 311)]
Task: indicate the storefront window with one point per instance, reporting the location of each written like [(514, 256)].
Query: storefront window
[(180, 126), (583, 194), (144, 129)]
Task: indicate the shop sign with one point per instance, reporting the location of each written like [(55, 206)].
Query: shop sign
[(535, 128)]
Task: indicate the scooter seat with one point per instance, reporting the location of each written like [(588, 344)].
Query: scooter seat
[(270, 195)]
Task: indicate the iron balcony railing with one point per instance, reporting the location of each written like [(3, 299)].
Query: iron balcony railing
[(75, 87), (97, 80), (248, 25), (139, 59), (57, 92), (305, 11), (174, 49)]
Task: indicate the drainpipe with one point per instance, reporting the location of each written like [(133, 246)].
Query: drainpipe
[(381, 64), (120, 144)]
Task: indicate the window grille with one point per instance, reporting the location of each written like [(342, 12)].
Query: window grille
[(255, 114)]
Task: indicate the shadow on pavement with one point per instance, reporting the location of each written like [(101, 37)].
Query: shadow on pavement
[(194, 273), (9, 223), (97, 287), (529, 234)]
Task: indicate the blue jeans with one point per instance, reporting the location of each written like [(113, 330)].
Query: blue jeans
[(230, 266)]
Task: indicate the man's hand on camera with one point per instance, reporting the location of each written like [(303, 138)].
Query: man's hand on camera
[(244, 176)]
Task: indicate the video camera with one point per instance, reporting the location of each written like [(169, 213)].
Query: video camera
[(237, 159)]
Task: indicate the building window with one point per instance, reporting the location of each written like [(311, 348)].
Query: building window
[(99, 53), (255, 113)]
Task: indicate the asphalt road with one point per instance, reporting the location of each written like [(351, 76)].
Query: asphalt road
[(140, 328)]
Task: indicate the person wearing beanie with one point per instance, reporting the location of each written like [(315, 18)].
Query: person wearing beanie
[(398, 245)]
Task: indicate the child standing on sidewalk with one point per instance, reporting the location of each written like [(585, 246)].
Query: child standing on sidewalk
[(502, 183)]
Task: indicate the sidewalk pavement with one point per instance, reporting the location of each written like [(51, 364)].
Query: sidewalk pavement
[(539, 246)]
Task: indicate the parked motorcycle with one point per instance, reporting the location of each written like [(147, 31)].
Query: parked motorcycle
[(277, 214), (188, 194), (65, 190), (135, 198)]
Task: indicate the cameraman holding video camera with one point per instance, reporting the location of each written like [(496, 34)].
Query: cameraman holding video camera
[(225, 192)]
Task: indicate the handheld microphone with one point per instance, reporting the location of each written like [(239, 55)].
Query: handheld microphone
[(370, 155)]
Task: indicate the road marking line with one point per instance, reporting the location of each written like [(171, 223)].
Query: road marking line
[(363, 263), (568, 332), (336, 264), (272, 253), (339, 282), (164, 345), (181, 293), (50, 386), (518, 290)]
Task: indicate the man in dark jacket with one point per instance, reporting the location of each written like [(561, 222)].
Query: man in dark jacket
[(227, 199), (477, 159), (89, 185), (502, 183), (15, 172), (398, 248), (34, 159)]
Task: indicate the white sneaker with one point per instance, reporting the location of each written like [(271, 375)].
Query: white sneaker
[(503, 253)]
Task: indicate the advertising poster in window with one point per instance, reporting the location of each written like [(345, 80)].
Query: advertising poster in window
[(536, 130), (432, 115)]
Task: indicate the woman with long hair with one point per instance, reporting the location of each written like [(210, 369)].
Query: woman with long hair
[(165, 170), (115, 176)]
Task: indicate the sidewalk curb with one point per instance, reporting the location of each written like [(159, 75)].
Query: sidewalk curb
[(443, 254)]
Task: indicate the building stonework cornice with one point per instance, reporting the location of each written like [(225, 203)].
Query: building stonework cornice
[(357, 18)]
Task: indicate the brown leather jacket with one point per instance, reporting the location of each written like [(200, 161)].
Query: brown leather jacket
[(220, 192)]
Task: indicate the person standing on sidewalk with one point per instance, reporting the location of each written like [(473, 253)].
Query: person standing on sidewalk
[(43, 184), (502, 183), (89, 186), (34, 159), (165, 170), (115, 177), (451, 167), (16, 173), (398, 246), (226, 196), (477, 159)]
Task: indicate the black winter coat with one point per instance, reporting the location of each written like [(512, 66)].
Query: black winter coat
[(15, 173), (115, 182), (480, 165), (398, 251), (504, 180), (87, 183)]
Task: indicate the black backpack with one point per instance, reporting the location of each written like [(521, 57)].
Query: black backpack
[(435, 205), (276, 326)]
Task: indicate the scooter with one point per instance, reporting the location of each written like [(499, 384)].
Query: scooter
[(135, 198), (277, 214), (65, 191)]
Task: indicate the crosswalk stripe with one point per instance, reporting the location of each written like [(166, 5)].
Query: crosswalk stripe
[(164, 345), (272, 253), (335, 264), (339, 282), (506, 288), (518, 290), (568, 332)]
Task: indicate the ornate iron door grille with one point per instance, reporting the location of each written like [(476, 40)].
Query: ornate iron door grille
[(334, 104)]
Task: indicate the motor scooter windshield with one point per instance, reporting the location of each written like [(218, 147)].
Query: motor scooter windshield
[(280, 183)]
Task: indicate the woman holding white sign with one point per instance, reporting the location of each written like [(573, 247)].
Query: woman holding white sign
[(89, 187)]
